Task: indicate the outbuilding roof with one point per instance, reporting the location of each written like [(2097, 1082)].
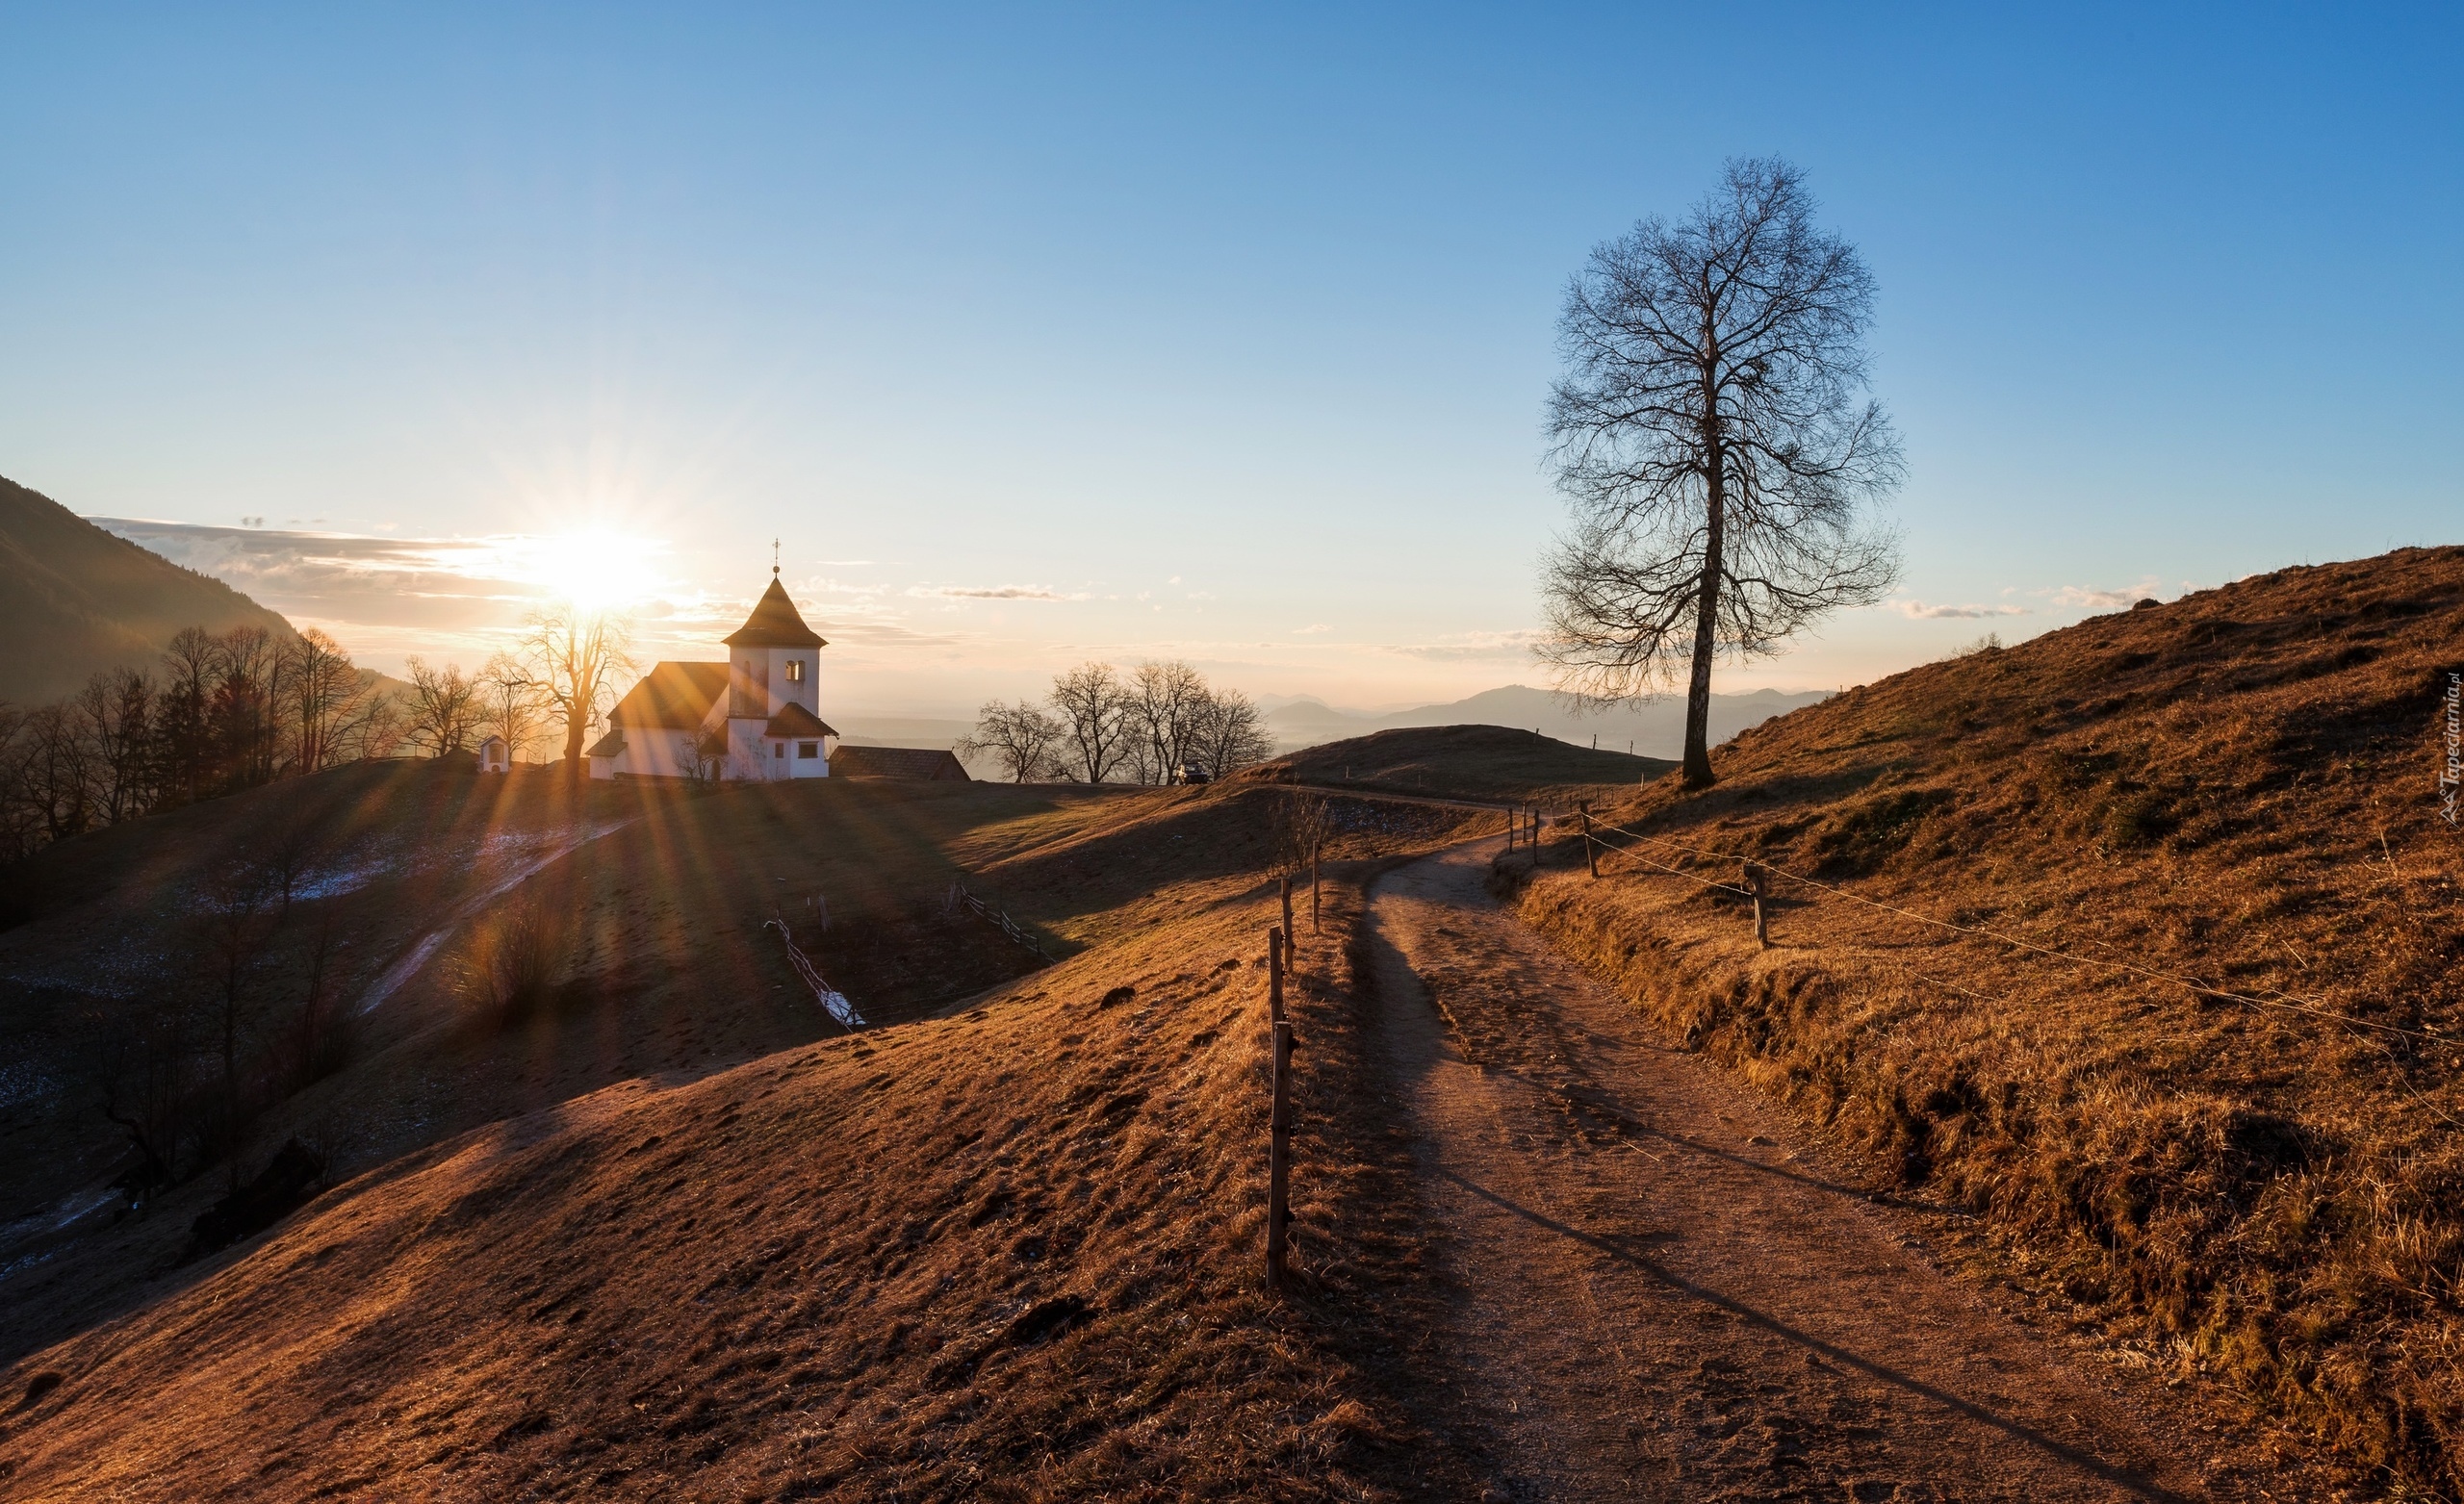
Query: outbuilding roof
[(775, 623), (921, 763)]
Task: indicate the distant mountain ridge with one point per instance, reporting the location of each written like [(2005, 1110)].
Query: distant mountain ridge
[(1655, 728), (75, 601)]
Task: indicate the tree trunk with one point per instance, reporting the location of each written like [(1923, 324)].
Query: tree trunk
[(1706, 607)]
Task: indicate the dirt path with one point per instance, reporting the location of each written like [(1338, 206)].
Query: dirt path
[(1654, 1295)]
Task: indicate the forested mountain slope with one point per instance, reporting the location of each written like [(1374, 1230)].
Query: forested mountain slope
[(74, 599)]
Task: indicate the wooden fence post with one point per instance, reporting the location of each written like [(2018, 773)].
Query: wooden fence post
[(1590, 851), (1314, 847), (1280, 1156), (1275, 976), (1754, 882), (1513, 818), (1290, 957)]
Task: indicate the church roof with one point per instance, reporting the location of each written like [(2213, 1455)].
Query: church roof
[(794, 720), (774, 622), (677, 696)]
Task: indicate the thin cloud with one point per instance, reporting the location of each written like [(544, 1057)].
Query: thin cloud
[(343, 576), (2082, 597), (1312, 630), (990, 593), (886, 634), (1471, 648), (1921, 611)]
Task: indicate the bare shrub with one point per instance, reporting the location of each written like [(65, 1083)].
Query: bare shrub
[(510, 964)]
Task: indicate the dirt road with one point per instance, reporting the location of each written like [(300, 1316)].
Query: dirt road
[(1655, 1290)]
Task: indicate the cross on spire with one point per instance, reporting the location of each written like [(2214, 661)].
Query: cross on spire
[(773, 558)]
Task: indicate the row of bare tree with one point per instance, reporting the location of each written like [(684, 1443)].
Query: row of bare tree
[(547, 693), (224, 711), (1151, 724), (245, 1009), (236, 711)]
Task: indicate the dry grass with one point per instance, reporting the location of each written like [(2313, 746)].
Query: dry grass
[(1011, 1253), (2236, 788)]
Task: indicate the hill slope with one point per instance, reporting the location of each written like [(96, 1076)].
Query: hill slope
[(74, 599), (2141, 945), (1652, 729), (1011, 1253), (1477, 762)]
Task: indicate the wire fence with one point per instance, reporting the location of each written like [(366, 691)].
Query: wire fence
[(960, 896)]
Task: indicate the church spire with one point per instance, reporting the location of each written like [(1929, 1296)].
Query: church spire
[(775, 623)]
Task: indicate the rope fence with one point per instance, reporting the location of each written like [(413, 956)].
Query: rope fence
[(828, 997)]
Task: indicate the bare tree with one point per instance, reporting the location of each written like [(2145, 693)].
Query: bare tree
[(182, 715), (321, 1033), (576, 657), (248, 692), (117, 709), (59, 771), (1022, 736), (139, 1059), (330, 704), (704, 756), (1303, 824), (1228, 733), (1095, 714), (238, 927), (511, 704), (1164, 700), (443, 707), (22, 824), (1712, 437)]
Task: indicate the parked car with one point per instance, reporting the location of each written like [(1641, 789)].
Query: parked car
[(1191, 772)]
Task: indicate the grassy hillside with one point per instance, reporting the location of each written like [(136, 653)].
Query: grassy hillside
[(1013, 1251), (1478, 762), (75, 601), (2222, 1124)]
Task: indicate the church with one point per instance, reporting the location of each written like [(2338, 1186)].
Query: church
[(753, 717)]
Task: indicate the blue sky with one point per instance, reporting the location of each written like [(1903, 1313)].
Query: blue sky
[(1218, 334)]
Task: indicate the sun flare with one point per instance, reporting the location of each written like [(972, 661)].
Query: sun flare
[(593, 569)]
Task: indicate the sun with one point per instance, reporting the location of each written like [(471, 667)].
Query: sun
[(594, 569)]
